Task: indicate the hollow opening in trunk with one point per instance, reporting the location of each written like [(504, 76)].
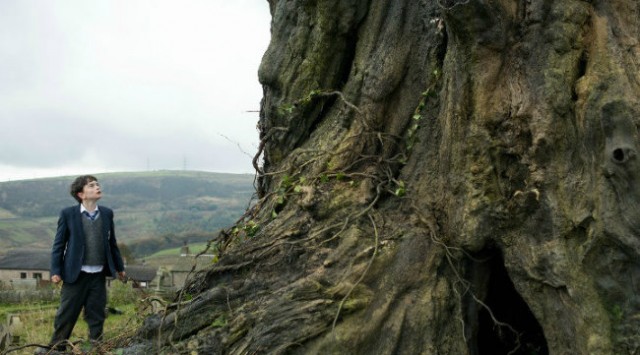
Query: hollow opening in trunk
[(518, 331)]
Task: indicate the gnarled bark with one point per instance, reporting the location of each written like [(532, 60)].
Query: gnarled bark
[(430, 170)]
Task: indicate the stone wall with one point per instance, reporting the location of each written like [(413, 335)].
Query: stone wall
[(21, 296)]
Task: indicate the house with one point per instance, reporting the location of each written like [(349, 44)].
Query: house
[(187, 265), (141, 275), (173, 270), (25, 267)]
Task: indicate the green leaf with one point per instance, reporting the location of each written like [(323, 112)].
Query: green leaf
[(286, 181), (400, 191)]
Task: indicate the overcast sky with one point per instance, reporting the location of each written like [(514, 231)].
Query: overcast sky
[(129, 85)]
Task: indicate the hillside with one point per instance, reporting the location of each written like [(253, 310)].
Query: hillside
[(154, 210)]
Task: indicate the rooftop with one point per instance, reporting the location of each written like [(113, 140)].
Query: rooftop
[(26, 259)]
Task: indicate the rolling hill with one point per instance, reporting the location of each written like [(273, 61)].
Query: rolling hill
[(154, 210)]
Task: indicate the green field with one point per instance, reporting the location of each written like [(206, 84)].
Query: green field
[(193, 249), (153, 210), (35, 232)]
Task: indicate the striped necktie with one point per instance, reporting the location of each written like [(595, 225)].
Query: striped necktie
[(91, 216)]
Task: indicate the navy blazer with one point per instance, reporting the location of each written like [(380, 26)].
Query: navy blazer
[(67, 253)]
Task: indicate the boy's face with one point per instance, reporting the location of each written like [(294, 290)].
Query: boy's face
[(90, 191)]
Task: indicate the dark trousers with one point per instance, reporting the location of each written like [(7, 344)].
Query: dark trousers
[(88, 292)]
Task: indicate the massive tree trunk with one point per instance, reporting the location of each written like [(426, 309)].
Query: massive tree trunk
[(437, 177)]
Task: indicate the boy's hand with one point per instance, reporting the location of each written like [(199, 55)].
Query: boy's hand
[(55, 279)]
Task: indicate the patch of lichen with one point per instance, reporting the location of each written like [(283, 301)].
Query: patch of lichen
[(565, 35), (358, 296)]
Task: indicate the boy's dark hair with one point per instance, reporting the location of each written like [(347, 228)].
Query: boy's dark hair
[(78, 184)]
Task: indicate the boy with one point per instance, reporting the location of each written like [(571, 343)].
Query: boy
[(84, 252)]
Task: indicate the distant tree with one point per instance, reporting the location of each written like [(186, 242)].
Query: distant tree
[(126, 253)]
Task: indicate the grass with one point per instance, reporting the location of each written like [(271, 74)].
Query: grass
[(7, 309), (36, 323), (194, 248), (6, 214), (37, 327)]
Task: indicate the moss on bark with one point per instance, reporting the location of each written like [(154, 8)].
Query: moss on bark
[(376, 233)]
